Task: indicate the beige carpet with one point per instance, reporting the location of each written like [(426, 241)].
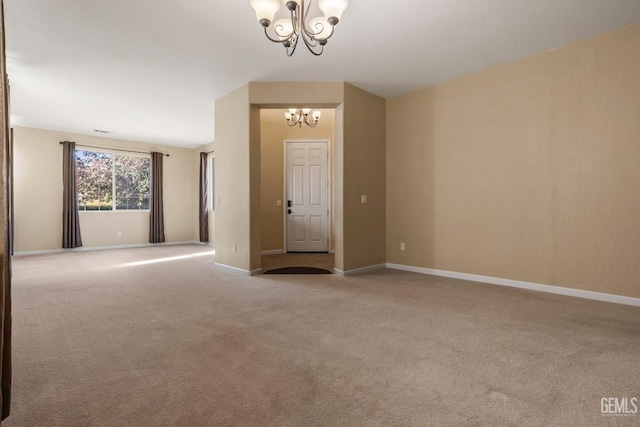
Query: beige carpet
[(102, 341)]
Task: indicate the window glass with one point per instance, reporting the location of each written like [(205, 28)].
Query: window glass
[(94, 176), (132, 182), (101, 175)]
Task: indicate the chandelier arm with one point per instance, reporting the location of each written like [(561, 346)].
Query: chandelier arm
[(295, 33), (303, 27), (305, 11), (310, 46), (311, 123), (277, 40), (313, 35), (295, 20), (292, 47), (285, 38), (311, 41), (333, 29)]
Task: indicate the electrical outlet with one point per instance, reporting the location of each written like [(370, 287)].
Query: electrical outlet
[(278, 202), (235, 249), (402, 246), (363, 198), (119, 233)]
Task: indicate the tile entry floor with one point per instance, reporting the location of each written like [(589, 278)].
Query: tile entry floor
[(318, 260)]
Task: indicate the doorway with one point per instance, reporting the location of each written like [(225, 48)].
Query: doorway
[(307, 190)]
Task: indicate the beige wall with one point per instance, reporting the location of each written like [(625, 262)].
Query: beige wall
[(527, 171), (233, 215), (292, 94), (238, 155), (38, 195), (364, 174), (359, 158), (274, 131), (312, 95)]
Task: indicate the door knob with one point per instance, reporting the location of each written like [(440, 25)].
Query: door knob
[(288, 211)]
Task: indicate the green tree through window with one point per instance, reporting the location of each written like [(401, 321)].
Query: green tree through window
[(100, 175), (132, 182)]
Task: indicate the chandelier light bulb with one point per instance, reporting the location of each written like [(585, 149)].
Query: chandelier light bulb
[(333, 9), (265, 10)]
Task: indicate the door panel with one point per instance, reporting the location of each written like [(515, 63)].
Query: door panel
[(298, 186), (315, 228), (298, 228), (315, 192), (307, 175)]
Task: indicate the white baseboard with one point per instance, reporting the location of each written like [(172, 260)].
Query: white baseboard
[(238, 271), (360, 270), (104, 248), (579, 293), (272, 252)]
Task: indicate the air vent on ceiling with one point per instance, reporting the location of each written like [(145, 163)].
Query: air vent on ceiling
[(101, 131)]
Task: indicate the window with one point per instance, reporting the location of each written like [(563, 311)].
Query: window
[(212, 183), (103, 175)]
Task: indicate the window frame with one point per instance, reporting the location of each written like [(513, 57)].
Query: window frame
[(115, 153)]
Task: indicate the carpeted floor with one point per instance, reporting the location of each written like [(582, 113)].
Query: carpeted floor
[(160, 337)]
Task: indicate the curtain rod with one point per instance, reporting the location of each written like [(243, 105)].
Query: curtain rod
[(114, 149)]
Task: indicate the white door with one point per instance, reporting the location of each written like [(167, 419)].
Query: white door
[(307, 207)]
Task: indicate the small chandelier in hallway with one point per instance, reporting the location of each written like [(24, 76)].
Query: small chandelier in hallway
[(296, 116), (289, 31)]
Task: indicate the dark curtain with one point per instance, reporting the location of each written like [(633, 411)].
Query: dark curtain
[(10, 190), (156, 216), (5, 220), (204, 212), (70, 218)]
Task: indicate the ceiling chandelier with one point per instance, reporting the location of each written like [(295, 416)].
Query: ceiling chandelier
[(296, 116), (289, 31)]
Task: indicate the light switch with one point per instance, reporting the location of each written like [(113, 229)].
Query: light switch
[(363, 198)]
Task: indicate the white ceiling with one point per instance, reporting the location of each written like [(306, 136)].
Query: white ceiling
[(150, 70)]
